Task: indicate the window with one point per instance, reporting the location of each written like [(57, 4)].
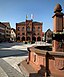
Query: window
[(18, 33), (18, 28), (34, 33), (38, 34), (49, 34), (38, 28), (18, 38), (33, 28), (23, 33), (29, 34), (28, 28), (7, 31), (22, 28), (12, 31)]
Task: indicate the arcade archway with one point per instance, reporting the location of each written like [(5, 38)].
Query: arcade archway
[(28, 39), (23, 38), (38, 38), (33, 39)]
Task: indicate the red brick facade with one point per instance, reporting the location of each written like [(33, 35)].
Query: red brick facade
[(29, 31)]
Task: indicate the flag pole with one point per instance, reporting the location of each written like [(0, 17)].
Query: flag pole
[(32, 16), (26, 17)]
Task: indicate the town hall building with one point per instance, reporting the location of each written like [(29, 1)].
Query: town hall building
[(29, 31)]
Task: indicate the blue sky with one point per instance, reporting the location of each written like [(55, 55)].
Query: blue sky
[(15, 11)]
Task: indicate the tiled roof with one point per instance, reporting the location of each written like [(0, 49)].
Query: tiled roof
[(6, 23), (34, 22), (2, 24), (37, 22), (21, 23)]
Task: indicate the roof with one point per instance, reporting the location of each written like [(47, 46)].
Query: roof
[(13, 29), (34, 22), (57, 8), (6, 23), (2, 24), (37, 22), (48, 31), (21, 23)]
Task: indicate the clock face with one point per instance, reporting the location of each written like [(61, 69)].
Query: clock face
[(59, 64)]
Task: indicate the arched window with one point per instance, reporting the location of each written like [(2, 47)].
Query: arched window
[(18, 38), (23, 38), (28, 38), (33, 39), (39, 39)]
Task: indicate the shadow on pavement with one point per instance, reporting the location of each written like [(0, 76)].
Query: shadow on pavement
[(9, 45), (8, 53)]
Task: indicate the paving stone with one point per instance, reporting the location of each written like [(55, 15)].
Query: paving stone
[(2, 73), (9, 70)]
